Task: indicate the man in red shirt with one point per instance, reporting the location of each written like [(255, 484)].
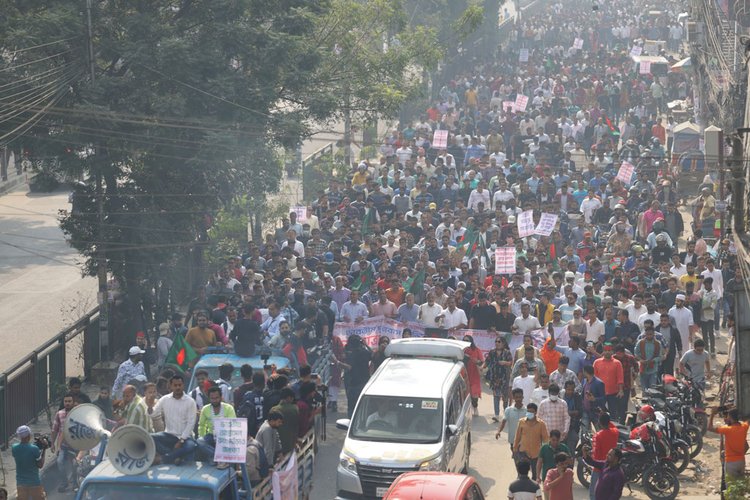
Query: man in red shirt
[(609, 370), (604, 440)]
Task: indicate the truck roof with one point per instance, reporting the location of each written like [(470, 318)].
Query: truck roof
[(201, 474)]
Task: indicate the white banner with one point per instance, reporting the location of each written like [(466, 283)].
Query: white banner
[(546, 224), (230, 435), (523, 55), (636, 51), (505, 260), (526, 224), (521, 102), (440, 139), (625, 174), (645, 67), (578, 43)]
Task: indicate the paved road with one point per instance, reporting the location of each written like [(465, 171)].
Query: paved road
[(41, 289)]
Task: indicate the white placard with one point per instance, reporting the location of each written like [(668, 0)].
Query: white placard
[(645, 67), (505, 260), (546, 224), (523, 55), (625, 174), (440, 139), (526, 224), (578, 43), (230, 435), (509, 105), (521, 102), (301, 211), (636, 51)]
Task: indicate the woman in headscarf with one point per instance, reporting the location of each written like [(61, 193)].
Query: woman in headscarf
[(357, 366), (498, 363), (473, 359)]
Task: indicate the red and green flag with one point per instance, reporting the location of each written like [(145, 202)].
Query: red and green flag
[(181, 354), (367, 221), (414, 284), (470, 242), (365, 279)]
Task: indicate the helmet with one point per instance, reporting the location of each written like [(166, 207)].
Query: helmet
[(646, 413)]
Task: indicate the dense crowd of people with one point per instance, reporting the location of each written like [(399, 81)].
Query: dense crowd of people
[(622, 291)]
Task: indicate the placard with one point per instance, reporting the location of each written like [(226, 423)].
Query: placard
[(526, 224), (301, 211), (578, 43), (521, 102), (523, 55), (636, 51), (645, 67), (625, 174), (505, 260), (546, 224), (440, 139), (230, 435), (509, 105)]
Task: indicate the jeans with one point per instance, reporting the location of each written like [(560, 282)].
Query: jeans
[(620, 407), (64, 460), (612, 403), (165, 447), (533, 468), (206, 447), (572, 440), (592, 486), (707, 330), (648, 380), (717, 313)]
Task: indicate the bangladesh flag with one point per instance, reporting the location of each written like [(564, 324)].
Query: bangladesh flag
[(366, 278), (469, 242), (180, 354), (415, 284)]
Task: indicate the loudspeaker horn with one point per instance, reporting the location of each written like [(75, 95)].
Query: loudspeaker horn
[(131, 449), (84, 427)]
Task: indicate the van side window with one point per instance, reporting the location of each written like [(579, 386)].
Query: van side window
[(462, 389), (455, 405)]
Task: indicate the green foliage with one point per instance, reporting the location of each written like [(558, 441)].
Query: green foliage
[(737, 489)]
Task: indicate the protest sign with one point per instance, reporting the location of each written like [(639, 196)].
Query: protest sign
[(625, 174), (509, 106), (523, 55), (521, 102), (231, 440), (645, 67), (636, 51), (546, 224), (440, 139), (371, 329), (526, 224), (301, 211), (505, 260), (578, 43)]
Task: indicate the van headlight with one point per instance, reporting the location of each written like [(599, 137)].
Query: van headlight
[(348, 463), (433, 464)]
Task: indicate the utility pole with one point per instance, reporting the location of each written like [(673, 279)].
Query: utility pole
[(101, 256)]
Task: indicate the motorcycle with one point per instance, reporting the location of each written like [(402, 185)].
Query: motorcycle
[(648, 462)]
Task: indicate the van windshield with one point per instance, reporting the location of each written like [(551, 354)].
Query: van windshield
[(398, 420)]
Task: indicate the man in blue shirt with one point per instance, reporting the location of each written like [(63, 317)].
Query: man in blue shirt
[(29, 459)]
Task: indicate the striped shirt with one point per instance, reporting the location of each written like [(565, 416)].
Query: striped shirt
[(555, 415), (136, 413)]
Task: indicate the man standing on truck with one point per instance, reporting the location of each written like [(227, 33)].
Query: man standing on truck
[(289, 430), (178, 412)]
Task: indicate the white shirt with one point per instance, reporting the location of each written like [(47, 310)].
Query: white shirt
[(683, 319), (718, 280), (502, 197), (634, 314), (476, 197), (455, 318), (678, 271), (527, 385), (526, 325), (178, 415), (298, 247), (594, 331), (655, 317), (428, 313), (538, 395), (588, 207)]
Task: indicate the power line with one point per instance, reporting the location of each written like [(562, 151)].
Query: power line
[(26, 49), (10, 68)]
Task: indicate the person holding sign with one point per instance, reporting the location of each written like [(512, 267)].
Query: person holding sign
[(217, 408)]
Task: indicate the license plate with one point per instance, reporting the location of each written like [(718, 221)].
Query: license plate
[(380, 491)]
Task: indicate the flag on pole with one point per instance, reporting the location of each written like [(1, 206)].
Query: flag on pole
[(469, 242), (181, 354), (415, 284)]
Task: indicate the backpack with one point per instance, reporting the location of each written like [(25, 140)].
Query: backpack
[(251, 408), (263, 466)]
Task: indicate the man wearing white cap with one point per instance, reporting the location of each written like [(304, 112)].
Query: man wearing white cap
[(683, 318), (29, 459), (129, 370)]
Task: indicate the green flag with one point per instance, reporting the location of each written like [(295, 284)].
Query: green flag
[(415, 284), (366, 278), (469, 242), (181, 353), (367, 221)]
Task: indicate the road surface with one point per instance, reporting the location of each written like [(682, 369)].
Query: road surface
[(41, 288)]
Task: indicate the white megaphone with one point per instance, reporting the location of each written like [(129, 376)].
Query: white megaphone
[(84, 427), (131, 449)]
